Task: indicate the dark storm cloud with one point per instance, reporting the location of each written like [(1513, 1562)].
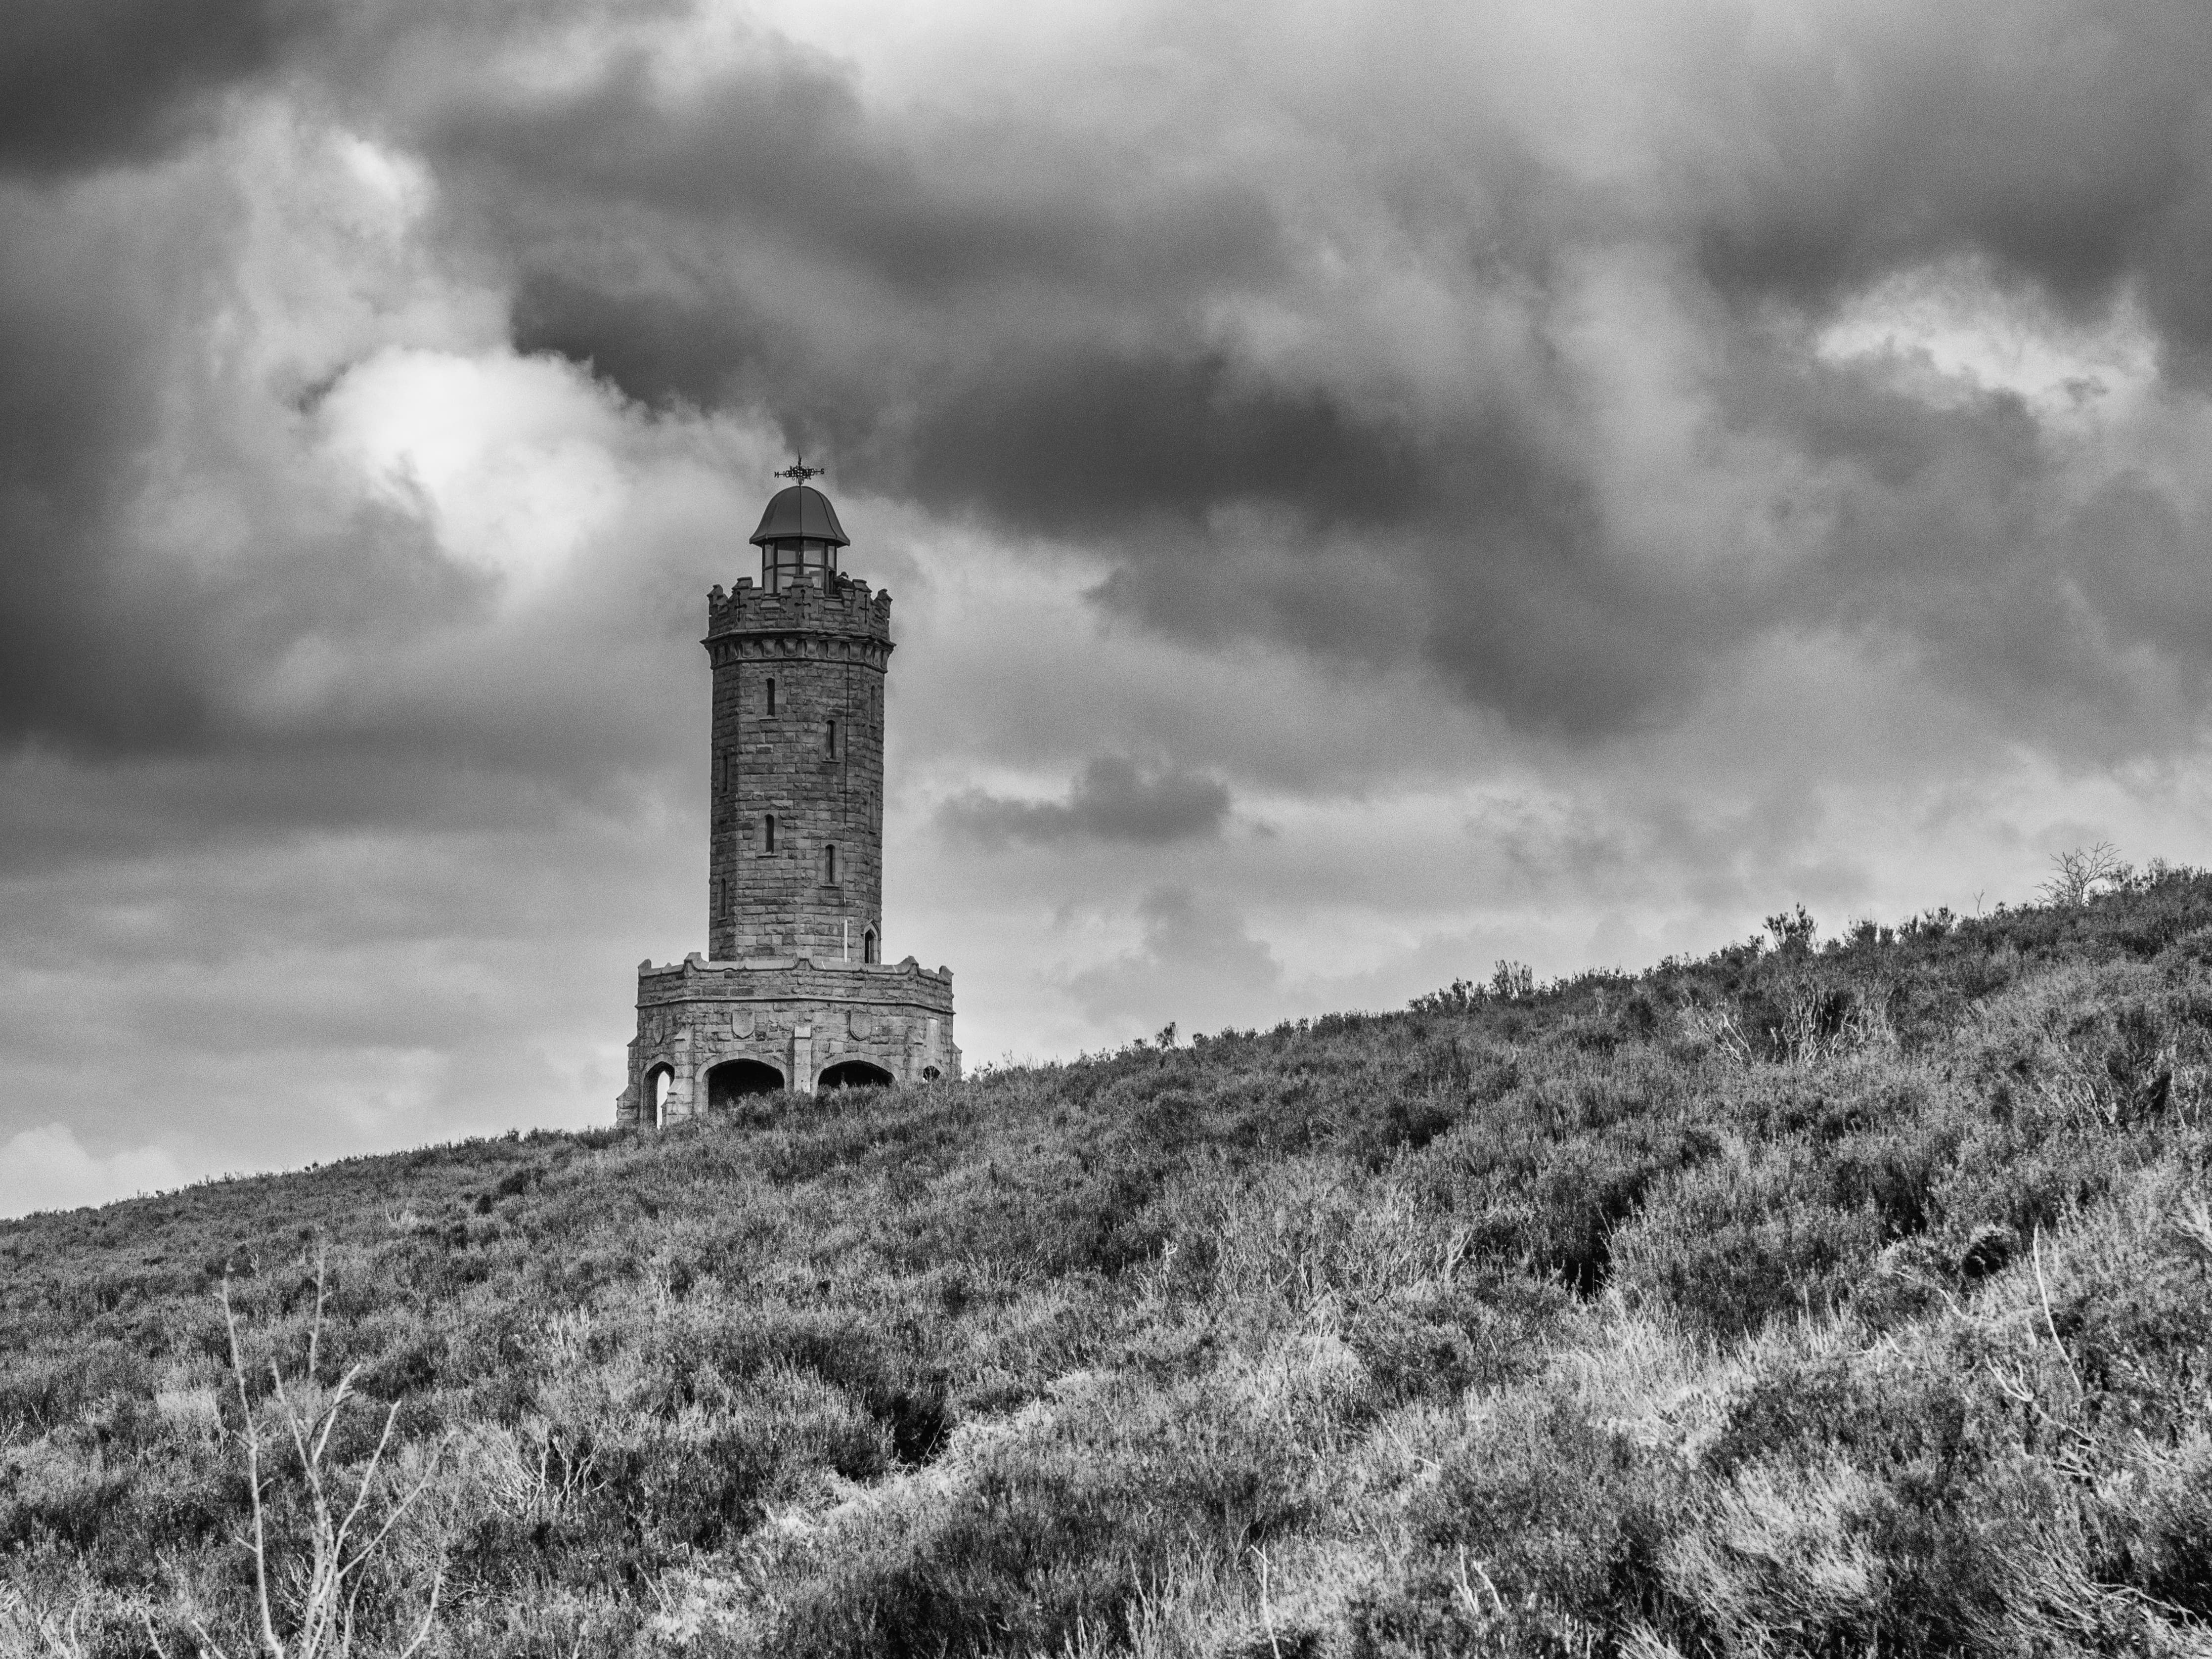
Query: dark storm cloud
[(101, 281), (1003, 312), (783, 148), (658, 347), (999, 315), (778, 158), (1112, 800), (121, 325), (88, 83), (2069, 144), (1024, 344), (105, 645), (77, 401), (1090, 437)]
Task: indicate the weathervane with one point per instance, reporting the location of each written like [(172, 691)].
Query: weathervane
[(798, 472)]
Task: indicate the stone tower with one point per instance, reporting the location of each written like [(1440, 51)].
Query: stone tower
[(792, 991), (797, 862)]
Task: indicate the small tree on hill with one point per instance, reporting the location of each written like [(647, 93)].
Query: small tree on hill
[(345, 1536), (1793, 930), (2082, 874)]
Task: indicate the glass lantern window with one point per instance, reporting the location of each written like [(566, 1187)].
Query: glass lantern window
[(787, 563)]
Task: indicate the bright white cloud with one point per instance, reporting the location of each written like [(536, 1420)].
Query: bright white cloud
[(47, 1168), (512, 459), (1951, 332)]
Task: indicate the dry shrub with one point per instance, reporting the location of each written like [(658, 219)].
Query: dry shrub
[(1745, 1238), (1535, 1325)]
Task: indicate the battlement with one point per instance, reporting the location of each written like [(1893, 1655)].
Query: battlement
[(845, 604), (776, 978)]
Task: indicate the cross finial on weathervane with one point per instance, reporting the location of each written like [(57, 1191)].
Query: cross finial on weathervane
[(799, 472)]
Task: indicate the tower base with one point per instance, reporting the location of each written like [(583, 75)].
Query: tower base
[(710, 1033)]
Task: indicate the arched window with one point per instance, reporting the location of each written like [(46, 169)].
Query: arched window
[(868, 945), (771, 696), (768, 833), (829, 864), (658, 1084), (832, 750)]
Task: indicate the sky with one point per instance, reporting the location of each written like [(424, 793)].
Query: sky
[(1367, 492)]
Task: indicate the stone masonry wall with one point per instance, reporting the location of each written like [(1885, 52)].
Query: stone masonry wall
[(825, 650), (798, 1016)]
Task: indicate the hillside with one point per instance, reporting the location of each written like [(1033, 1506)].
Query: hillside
[(1825, 1298)]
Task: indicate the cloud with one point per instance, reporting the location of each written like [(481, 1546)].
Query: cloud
[(48, 1169), (2062, 142), (1528, 387), (85, 83), (1111, 800), (1487, 397), (1195, 954)]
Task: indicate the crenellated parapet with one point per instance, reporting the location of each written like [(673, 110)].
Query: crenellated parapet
[(841, 606), (774, 979)]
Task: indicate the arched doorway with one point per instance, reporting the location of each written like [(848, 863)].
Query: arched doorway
[(855, 1074), (659, 1083), (733, 1079)]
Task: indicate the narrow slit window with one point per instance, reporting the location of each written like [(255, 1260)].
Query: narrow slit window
[(829, 865), (833, 739), (768, 833), (771, 697), (868, 945)]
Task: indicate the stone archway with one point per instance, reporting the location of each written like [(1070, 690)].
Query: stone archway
[(854, 1074), (733, 1079), (659, 1086)]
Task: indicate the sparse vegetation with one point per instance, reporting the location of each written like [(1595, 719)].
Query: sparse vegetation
[(1827, 1297)]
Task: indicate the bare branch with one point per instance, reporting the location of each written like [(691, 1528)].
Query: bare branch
[(429, 1615), (315, 1326), (360, 1494), (2049, 1323), (274, 1648)]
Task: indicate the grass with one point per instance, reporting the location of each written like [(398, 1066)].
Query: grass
[(1811, 1299)]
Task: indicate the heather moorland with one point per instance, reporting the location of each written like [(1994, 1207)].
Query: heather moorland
[(1827, 1295)]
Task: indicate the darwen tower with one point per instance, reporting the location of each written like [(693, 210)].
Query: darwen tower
[(792, 991)]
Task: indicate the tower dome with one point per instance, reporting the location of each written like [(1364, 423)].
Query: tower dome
[(798, 538), (801, 513)]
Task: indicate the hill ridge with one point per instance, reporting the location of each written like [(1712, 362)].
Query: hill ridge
[(1807, 1297)]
